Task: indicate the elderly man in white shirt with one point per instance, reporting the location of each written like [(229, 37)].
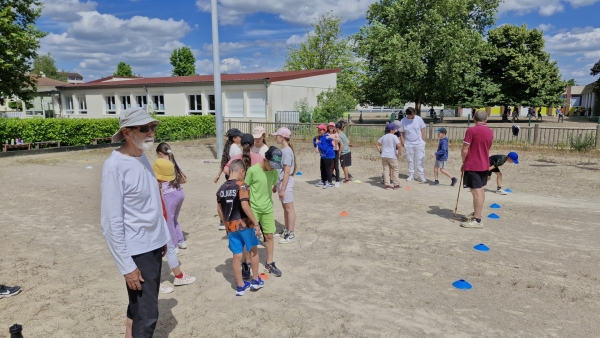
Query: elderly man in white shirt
[(132, 219), (412, 136)]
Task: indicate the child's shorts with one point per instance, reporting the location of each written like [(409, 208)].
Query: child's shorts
[(267, 221), (346, 160), (288, 196), (440, 164), (241, 238)]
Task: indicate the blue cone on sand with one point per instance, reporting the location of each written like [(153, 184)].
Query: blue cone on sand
[(299, 173), (495, 206), (493, 216), (462, 285), (507, 190), (481, 247)]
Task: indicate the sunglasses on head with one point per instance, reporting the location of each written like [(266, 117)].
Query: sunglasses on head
[(146, 128)]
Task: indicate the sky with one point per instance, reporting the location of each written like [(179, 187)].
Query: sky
[(91, 38)]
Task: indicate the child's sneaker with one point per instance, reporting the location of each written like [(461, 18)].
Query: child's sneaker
[(246, 271), (501, 192), (165, 289), (327, 186), (396, 187), (387, 187), (185, 280), (436, 182), (242, 289), (182, 245), (350, 176), (289, 238), (337, 184), (272, 269), (257, 284), (221, 226), (320, 184), (9, 291), (422, 179), (282, 234), (454, 180)]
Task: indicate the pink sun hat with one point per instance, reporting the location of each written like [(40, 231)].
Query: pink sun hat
[(322, 126), (283, 132)]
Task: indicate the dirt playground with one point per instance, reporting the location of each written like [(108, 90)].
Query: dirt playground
[(386, 270)]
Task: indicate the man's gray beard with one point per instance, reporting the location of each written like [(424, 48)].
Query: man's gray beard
[(144, 146)]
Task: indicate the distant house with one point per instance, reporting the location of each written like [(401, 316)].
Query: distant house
[(44, 104), (250, 96), (582, 97), (72, 78)]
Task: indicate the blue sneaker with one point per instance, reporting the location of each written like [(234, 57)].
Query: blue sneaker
[(242, 289), (257, 284), (246, 271)]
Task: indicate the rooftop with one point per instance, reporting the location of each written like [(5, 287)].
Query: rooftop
[(69, 74)]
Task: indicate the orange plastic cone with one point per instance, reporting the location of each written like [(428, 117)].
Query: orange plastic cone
[(408, 188), (263, 276), (344, 214)]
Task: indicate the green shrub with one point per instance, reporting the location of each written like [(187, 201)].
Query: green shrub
[(582, 142), (75, 131)]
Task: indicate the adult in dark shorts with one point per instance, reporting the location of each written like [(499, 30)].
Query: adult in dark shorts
[(475, 155)]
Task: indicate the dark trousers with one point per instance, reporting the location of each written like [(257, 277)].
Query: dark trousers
[(336, 164), (143, 304), (326, 169)]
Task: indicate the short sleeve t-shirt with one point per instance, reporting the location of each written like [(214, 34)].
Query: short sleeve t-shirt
[(479, 138), (261, 182), (497, 160), (389, 144), (287, 158), (254, 159), (345, 143), (234, 150), (412, 130), (262, 150), (230, 197)]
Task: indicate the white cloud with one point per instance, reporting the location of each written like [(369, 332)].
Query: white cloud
[(232, 12), (543, 7), (584, 41), (231, 66), (545, 27), (297, 39), (66, 10), (98, 42)]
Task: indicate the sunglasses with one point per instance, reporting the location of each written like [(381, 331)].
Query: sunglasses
[(146, 128)]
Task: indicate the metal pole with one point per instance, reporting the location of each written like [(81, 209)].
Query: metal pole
[(217, 78), (529, 130), (468, 120)]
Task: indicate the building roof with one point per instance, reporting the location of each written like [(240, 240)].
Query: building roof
[(69, 74), (48, 82), (113, 81), (576, 90)]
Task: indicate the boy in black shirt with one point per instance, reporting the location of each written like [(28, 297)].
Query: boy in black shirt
[(495, 162), (233, 205)]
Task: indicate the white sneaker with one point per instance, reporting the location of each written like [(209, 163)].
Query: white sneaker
[(221, 226), (410, 178), (327, 185), (337, 184), (282, 234), (290, 238), (182, 245), (185, 280), (177, 250), (501, 192), (422, 180), (165, 289), (320, 184)]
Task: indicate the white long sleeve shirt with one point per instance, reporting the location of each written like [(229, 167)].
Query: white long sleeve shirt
[(131, 209)]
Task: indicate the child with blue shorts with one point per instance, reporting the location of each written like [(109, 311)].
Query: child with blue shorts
[(233, 205)]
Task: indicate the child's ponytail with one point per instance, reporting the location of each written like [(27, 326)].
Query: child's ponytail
[(293, 173)]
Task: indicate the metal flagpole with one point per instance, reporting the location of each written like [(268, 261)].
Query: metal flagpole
[(217, 78)]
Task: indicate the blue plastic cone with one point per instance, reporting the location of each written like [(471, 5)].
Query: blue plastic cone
[(493, 216), (462, 285), (299, 173), (507, 190), (495, 206), (481, 247)]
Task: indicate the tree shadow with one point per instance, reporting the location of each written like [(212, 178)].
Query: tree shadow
[(443, 213), (167, 321)]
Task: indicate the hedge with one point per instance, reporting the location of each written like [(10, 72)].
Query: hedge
[(83, 131)]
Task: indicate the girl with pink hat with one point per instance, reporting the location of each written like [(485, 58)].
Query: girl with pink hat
[(285, 184), (332, 131)]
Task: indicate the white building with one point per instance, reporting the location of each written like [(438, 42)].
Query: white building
[(251, 96)]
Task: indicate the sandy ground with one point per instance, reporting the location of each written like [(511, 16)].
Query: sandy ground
[(384, 271)]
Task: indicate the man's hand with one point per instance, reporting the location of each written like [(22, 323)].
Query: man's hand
[(462, 168), (274, 189), (134, 279), (164, 252)]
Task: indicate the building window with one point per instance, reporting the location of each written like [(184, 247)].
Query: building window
[(211, 104), (125, 102), (141, 101), (69, 105), (158, 104), (111, 105), (82, 105), (235, 104), (257, 104), (195, 104)]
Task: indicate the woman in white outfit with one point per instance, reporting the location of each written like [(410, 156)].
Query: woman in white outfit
[(412, 136)]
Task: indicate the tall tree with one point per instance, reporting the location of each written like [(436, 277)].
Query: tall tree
[(183, 62), (123, 69), (521, 67), (423, 51), (325, 48), (595, 71), (19, 40), (45, 64)]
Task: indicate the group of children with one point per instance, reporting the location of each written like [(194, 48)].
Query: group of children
[(333, 146), (255, 171)]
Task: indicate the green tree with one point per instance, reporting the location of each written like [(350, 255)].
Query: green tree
[(123, 69), (304, 109), (595, 71), (183, 62), (45, 64), (325, 48), (571, 82), (332, 104), (425, 51), (19, 41), (521, 67)]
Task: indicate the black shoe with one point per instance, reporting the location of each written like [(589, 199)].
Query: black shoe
[(454, 180), (246, 271), (350, 176), (9, 291), (436, 182), (272, 269)]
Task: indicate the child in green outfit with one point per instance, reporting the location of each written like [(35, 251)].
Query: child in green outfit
[(262, 180)]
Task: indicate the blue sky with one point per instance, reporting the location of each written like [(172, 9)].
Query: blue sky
[(92, 37)]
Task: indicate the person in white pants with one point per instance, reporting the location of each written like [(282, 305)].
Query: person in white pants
[(412, 136)]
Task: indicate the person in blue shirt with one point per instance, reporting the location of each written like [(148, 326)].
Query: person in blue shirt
[(441, 157), (324, 144)]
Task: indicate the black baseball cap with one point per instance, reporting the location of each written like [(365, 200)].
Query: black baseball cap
[(274, 156), (248, 139), (233, 132), (442, 130)]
